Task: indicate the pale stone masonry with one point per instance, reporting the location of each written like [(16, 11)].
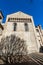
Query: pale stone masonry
[(39, 31), (22, 25)]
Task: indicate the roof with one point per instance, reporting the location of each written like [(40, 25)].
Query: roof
[(19, 15)]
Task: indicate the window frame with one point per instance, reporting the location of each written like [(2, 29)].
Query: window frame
[(15, 26), (26, 27)]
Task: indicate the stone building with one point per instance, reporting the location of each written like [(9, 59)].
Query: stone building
[(22, 25), (39, 31)]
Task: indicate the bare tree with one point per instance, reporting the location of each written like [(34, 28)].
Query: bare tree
[(12, 49)]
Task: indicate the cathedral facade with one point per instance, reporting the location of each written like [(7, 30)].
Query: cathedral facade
[(22, 25)]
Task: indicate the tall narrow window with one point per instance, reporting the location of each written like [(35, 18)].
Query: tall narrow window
[(15, 26), (26, 27)]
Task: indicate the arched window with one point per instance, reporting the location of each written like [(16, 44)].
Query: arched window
[(26, 27), (15, 26)]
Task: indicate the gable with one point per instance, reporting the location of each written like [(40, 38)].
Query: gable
[(19, 15)]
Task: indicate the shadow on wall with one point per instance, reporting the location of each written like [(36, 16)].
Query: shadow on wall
[(41, 49)]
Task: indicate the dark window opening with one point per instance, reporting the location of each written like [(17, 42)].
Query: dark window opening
[(30, 20), (41, 49), (37, 30), (9, 19), (15, 26), (0, 17), (26, 27), (1, 27)]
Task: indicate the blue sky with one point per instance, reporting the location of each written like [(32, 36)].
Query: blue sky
[(31, 7)]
